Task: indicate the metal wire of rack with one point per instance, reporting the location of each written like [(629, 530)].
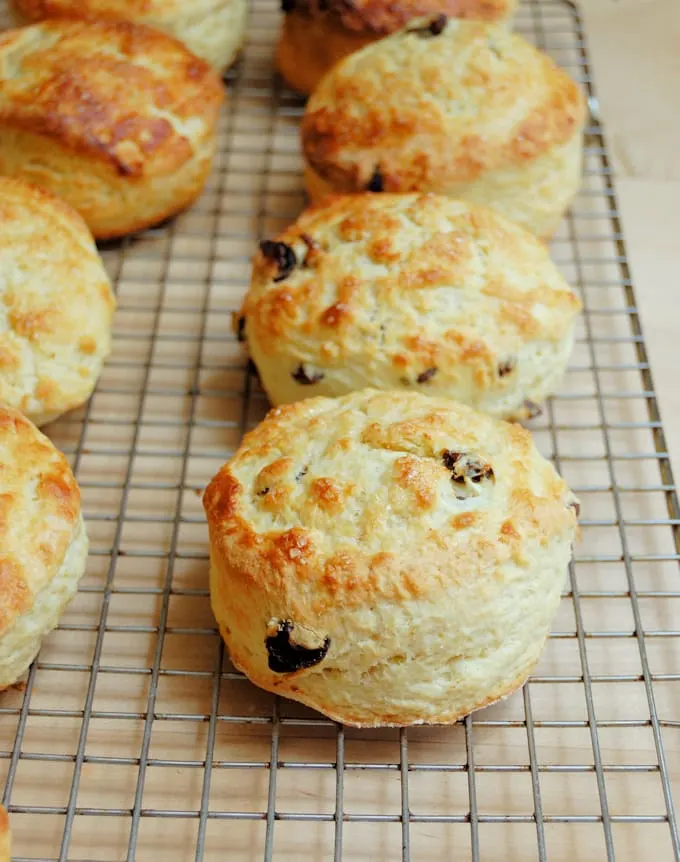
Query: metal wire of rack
[(135, 739)]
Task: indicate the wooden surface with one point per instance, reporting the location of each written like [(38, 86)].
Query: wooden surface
[(173, 389), (634, 50)]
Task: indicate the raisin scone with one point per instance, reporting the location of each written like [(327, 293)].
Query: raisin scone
[(317, 34), (409, 291), (213, 30), (115, 118), (388, 558), (43, 544), (460, 108), (56, 304)]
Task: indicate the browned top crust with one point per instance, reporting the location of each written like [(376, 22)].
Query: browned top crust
[(39, 512), (430, 110), (113, 90), (381, 17)]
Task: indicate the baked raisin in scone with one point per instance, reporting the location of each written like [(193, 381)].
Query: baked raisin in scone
[(56, 304), (317, 34), (471, 111), (409, 292), (43, 545), (214, 30), (388, 558), (115, 118)]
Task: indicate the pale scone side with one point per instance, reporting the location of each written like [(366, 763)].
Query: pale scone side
[(423, 597)]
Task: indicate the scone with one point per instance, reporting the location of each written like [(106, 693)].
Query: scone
[(214, 30), (56, 304), (387, 558), (43, 545), (317, 34), (409, 291), (115, 118), (460, 108)]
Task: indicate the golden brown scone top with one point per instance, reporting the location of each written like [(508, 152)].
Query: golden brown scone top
[(38, 10), (124, 93), (39, 511), (382, 17), (428, 280), (422, 110), (335, 500)]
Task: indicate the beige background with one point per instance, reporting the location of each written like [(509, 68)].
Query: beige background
[(635, 51)]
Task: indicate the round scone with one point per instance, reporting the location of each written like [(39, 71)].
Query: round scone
[(213, 30), (43, 544), (460, 108), (317, 34), (409, 291), (115, 118), (387, 558), (56, 304)]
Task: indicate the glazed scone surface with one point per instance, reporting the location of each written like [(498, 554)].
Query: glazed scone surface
[(115, 118), (211, 29), (474, 112), (43, 545), (410, 291), (387, 558), (56, 304)]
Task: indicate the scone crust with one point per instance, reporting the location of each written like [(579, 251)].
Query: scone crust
[(430, 112), (340, 515), (410, 291), (211, 29), (56, 304), (109, 90), (380, 18), (39, 514), (115, 118)]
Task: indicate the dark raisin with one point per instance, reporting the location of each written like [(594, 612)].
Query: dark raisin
[(301, 473), (285, 656), (377, 182), (280, 254), (434, 28), (426, 376), (287, 5), (532, 409), (241, 329), (263, 492), (464, 466), (305, 377), (576, 506), (507, 366)]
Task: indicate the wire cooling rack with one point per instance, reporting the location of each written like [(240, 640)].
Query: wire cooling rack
[(134, 739)]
